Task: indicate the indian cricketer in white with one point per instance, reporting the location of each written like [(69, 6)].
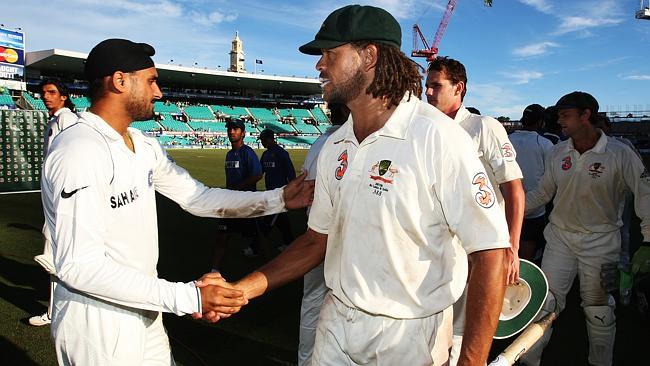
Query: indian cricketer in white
[(395, 185), (100, 179)]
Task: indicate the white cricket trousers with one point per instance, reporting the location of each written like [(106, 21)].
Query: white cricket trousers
[(568, 254), (314, 291), (88, 331), (350, 336)]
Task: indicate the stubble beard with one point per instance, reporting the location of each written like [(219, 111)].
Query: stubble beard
[(347, 90)]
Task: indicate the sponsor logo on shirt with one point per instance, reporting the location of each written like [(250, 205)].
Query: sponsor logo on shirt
[(566, 163), (150, 178), (343, 166), (596, 170), (232, 164), (508, 152), (124, 198), (66, 195), (484, 194), (269, 164), (382, 173)]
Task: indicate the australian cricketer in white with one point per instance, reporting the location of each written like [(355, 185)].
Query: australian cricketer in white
[(100, 179)]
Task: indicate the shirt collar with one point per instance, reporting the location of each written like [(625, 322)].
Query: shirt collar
[(62, 110), (600, 144), (462, 114), (101, 125), (397, 124)]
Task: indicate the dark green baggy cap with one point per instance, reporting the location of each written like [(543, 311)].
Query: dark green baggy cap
[(355, 23)]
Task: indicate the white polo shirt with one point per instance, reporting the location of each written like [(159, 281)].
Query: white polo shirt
[(590, 187), (494, 148), (392, 206), (532, 149), (100, 206)]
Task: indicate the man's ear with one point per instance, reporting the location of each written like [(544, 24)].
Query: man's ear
[(119, 81), (369, 56), (459, 88)]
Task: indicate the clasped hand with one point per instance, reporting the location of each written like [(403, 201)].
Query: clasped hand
[(219, 299)]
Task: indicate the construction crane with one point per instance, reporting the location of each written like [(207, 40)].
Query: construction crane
[(643, 12), (430, 52)]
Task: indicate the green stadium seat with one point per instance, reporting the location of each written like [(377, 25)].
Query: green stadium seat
[(306, 128), (233, 112), (37, 104), (264, 114), (277, 127), (81, 103), (208, 126), (165, 107), (320, 116), (199, 112), (171, 124), (149, 125)]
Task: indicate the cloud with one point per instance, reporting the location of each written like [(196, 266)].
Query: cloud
[(210, 19), (576, 23), (637, 77), (534, 49), (156, 7), (587, 15), (539, 5), (494, 100), (523, 76)]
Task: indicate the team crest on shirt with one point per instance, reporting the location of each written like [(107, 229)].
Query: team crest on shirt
[(382, 173), (596, 170), (150, 178), (508, 152), (483, 192), (566, 163), (343, 165)]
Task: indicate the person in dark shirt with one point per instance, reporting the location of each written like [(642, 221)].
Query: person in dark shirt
[(278, 171), (243, 171)]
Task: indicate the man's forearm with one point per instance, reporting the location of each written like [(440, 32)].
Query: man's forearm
[(515, 202), (485, 291), (305, 253)]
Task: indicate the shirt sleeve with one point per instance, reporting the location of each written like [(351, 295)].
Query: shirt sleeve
[(499, 152), (467, 199), (75, 197), (637, 179), (322, 209), (254, 165), (545, 189), (193, 196), (290, 170)]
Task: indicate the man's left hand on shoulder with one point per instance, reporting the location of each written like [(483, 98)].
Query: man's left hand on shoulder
[(298, 193)]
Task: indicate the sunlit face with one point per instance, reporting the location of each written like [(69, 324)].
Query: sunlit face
[(442, 93), (144, 92), (235, 134), (52, 98), (341, 75), (572, 120)]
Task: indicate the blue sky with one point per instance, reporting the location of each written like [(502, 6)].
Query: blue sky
[(516, 53)]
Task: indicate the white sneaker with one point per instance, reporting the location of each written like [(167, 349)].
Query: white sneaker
[(39, 320)]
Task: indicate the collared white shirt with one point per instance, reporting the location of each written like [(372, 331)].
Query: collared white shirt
[(392, 206), (494, 148), (100, 206), (62, 119), (590, 187), (531, 152)]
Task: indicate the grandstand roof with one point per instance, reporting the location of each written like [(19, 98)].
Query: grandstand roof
[(62, 61)]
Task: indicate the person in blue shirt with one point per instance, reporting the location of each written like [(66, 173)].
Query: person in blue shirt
[(278, 171), (243, 171)]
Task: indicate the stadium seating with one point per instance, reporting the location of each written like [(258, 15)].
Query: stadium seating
[(174, 140), (171, 124), (6, 100), (208, 126), (297, 141), (276, 127), (37, 104), (165, 107), (149, 125), (81, 103), (306, 128), (297, 113), (320, 116), (264, 114), (199, 112), (234, 112)]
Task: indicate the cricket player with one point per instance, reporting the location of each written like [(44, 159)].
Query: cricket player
[(588, 174), (99, 185), (396, 185), (446, 86), (56, 97)]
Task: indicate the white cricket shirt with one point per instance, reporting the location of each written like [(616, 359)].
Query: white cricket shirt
[(392, 206), (62, 119), (590, 188), (494, 148), (99, 200), (532, 149)]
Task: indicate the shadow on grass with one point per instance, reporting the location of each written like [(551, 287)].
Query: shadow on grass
[(21, 226), (24, 285), (12, 355)]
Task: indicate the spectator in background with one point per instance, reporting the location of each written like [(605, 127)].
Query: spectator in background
[(314, 288), (551, 129), (278, 171), (56, 97), (243, 171), (531, 154)]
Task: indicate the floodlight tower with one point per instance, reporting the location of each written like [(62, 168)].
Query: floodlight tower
[(643, 12)]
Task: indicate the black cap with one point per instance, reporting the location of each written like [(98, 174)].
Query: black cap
[(267, 133), (236, 123), (578, 99), (355, 23), (533, 113), (114, 54)]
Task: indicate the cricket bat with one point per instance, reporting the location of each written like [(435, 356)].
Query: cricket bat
[(521, 344)]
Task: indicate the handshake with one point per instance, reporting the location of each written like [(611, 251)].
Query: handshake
[(219, 298)]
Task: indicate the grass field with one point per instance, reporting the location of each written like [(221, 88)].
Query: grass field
[(264, 333)]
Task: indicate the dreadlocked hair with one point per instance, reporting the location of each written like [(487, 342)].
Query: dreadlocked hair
[(395, 74)]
